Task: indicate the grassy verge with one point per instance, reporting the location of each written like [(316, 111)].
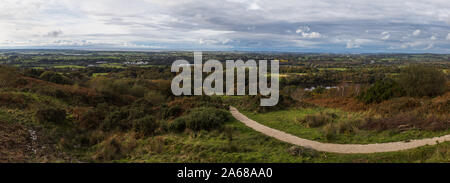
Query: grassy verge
[(235, 143), (250, 146), (288, 121)]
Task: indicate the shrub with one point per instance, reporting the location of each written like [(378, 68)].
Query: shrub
[(252, 103), (50, 115), (54, 77), (173, 111), (203, 118), (13, 100), (8, 75), (155, 97), (421, 80), (115, 147), (441, 104), (112, 87), (138, 91), (302, 151), (349, 126), (380, 91), (406, 121), (88, 118), (398, 105), (137, 117), (330, 131), (316, 120), (146, 125), (177, 125), (116, 119), (319, 90)]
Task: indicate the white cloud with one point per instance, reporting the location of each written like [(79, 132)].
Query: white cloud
[(356, 43), (254, 6), (429, 46), (416, 32), (305, 33), (433, 37), (448, 36), (352, 44), (302, 29), (214, 41), (311, 35), (210, 32), (411, 44), (385, 35)]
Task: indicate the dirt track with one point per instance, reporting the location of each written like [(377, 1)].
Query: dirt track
[(335, 148)]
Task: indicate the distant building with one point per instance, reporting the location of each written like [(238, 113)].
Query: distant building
[(136, 63)]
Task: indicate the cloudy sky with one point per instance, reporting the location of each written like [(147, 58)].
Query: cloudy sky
[(351, 26)]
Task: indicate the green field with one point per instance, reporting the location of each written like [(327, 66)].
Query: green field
[(68, 66)]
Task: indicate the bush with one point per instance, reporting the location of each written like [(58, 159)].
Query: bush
[(330, 131), (115, 147), (177, 125), (397, 105), (138, 91), (10, 77), (146, 125), (406, 121), (203, 118), (155, 97), (316, 120), (380, 91), (50, 115), (135, 117), (350, 126), (87, 118), (420, 80), (13, 100), (116, 119), (319, 90), (302, 151), (54, 77), (252, 103), (171, 112)]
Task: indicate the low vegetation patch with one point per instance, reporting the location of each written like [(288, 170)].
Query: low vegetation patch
[(50, 115), (408, 121), (203, 118), (317, 120)]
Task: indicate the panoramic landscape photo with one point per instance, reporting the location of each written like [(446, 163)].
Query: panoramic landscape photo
[(233, 81)]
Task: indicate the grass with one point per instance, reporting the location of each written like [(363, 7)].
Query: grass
[(39, 99), (112, 65), (288, 121), (99, 74), (68, 66), (214, 146), (279, 75), (5, 116), (246, 145), (251, 146), (334, 69)]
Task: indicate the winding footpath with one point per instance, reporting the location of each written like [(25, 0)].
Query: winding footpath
[(336, 148)]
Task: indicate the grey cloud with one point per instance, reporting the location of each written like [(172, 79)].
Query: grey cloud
[(55, 33), (261, 24)]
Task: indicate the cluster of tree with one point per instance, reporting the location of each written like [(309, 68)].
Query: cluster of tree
[(414, 81)]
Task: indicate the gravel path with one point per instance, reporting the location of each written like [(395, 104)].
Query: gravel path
[(335, 148)]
